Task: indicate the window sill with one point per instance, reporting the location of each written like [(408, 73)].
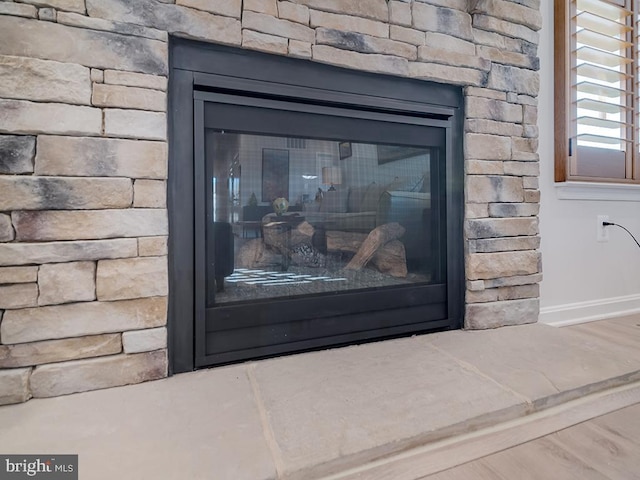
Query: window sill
[(614, 192)]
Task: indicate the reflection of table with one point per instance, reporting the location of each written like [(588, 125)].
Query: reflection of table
[(255, 225), (277, 234)]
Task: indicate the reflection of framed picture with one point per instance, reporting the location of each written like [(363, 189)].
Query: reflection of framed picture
[(275, 174), (345, 150), (390, 153)]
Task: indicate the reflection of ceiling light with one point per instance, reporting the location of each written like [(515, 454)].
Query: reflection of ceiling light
[(309, 177)]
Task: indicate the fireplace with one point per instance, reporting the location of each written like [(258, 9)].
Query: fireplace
[(309, 206)]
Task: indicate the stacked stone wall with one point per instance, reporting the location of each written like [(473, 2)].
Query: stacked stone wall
[(83, 160)]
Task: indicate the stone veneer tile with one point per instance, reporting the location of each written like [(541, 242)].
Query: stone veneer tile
[(6, 229), (131, 79), (457, 4), (518, 292), (137, 341), (152, 246), (49, 225), (376, 9), (447, 42), (501, 227), (446, 73), (531, 182), (493, 109), (484, 167), (509, 58), (23, 78), (476, 210), (528, 168), (517, 280), (367, 62), (347, 23), (431, 18), (487, 189), (509, 29), (150, 194), (364, 43), (510, 11), (17, 153), (90, 48), (81, 319), (82, 21), (118, 96), (294, 12), (20, 116), (532, 196), (54, 252), (429, 53), (131, 278), (482, 266), (407, 35), (91, 374), (135, 124), (47, 14), (493, 127), (70, 5), (229, 8), (299, 49), (18, 9), (263, 23), (268, 7), (169, 17), (50, 351), (18, 275), (480, 316), (486, 92), (509, 244), (66, 282), (64, 193), (100, 157), (514, 79), (14, 385), (400, 13), (97, 75), (481, 146), (263, 42), (18, 296)]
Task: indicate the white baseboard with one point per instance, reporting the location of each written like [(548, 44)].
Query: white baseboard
[(582, 312)]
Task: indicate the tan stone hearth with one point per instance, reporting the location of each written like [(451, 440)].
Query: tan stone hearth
[(83, 160)]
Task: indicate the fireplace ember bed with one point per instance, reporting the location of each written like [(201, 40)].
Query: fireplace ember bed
[(309, 206)]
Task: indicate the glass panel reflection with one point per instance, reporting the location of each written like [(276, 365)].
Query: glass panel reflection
[(311, 216)]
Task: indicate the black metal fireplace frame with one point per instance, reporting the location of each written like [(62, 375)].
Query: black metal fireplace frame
[(203, 72)]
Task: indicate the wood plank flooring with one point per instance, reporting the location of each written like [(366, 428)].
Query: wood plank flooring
[(605, 448)]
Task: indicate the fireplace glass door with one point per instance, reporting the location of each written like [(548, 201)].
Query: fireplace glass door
[(320, 225), (307, 216)]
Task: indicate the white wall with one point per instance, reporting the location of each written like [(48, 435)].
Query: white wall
[(583, 279)]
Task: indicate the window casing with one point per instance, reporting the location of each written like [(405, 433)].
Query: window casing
[(596, 91)]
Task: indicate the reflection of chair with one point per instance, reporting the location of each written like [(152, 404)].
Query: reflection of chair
[(252, 218), (222, 252)]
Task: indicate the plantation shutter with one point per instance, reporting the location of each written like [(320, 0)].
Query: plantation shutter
[(602, 52)]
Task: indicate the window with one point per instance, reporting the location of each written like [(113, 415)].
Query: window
[(596, 90)]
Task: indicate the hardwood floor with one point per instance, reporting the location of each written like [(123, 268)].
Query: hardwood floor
[(605, 448)]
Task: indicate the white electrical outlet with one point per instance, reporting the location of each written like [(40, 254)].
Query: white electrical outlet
[(602, 234)]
